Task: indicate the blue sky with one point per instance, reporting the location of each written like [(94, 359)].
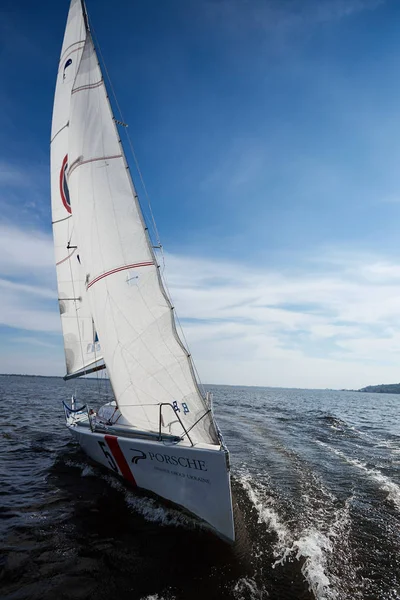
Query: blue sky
[(268, 134)]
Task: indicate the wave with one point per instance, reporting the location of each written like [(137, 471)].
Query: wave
[(157, 597), (88, 471), (246, 587), (149, 508), (385, 483), (310, 546), (266, 511)]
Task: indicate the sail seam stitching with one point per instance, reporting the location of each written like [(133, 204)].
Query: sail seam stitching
[(72, 51), (117, 270), (70, 46), (78, 163), (89, 86)]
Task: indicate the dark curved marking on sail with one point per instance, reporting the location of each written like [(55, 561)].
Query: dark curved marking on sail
[(89, 86), (117, 270), (70, 46), (59, 131), (112, 442), (78, 163), (59, 220), (62, 59), (64, 191), (66, 258)]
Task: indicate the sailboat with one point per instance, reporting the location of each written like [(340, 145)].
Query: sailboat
[(158, 431)]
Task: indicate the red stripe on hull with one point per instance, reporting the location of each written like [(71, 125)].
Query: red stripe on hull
[(120, 459)]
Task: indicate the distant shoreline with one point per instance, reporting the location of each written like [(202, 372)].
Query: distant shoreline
[(383, 388)]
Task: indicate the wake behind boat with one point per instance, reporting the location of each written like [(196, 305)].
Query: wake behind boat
[(158, 432)]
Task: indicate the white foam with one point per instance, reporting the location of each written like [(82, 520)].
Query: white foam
[(151, 510), (385, 483), (312, 547), (88, 471), (157, 597), (75, 464), (266, 513), (245, 588)]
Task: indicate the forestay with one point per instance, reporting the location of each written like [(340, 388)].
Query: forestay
[(81, 348), (146, 362)]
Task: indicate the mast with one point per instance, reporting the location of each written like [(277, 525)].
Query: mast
[(85, 15)]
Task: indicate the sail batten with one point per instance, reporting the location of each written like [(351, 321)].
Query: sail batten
[(146, 361)]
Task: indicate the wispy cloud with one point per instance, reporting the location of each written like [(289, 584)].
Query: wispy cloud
[(282, 18), (331, 323), (25, 251), (28, 298), (243, 162), (12, 175), (260, 322)]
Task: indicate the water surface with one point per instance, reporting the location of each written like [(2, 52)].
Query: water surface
[(316, 481)]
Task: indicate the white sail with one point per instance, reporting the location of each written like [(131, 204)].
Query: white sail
[(145, 359), (80, 342)]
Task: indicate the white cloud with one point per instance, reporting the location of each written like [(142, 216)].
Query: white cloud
[(24, 251), (22, 288), (250, 326), (26, 361), (28, 299), (11, 175), (333, 323)]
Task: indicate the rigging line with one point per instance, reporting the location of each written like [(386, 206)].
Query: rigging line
[(184, 344), (94, 335), (70, 237), (66, 258), (125, 349), (141, 405), (76, 313), (128, 137), (176, 358), (196, 376), (187, 348), (96, 224), (110, 301), (142, 219), (109, 297), (150, 375), (75, 296), (198, 420)]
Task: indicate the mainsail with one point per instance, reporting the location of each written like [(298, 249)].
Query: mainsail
[(150, 370), (81, 347)]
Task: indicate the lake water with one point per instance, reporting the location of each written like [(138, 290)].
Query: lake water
[(316, 482)]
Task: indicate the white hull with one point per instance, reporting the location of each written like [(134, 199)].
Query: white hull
[(194, 478)]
